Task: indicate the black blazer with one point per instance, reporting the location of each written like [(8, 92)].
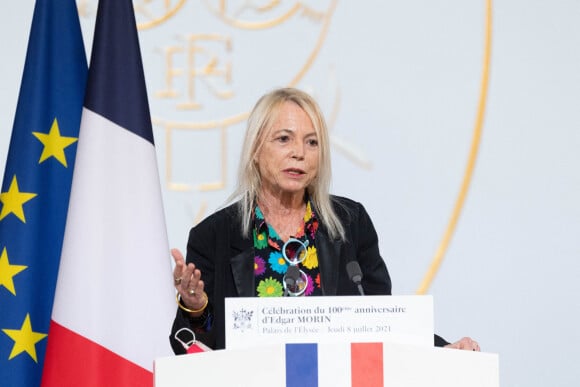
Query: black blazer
[(225, 258)]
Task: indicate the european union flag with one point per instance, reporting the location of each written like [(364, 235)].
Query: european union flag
[(36, 186)]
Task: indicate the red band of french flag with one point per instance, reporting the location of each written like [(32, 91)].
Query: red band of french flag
[(81, 351)]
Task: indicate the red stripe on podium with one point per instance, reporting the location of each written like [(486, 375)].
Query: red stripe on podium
[(366, 364)]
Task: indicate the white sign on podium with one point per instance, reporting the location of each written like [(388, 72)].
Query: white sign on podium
[(255, 321)]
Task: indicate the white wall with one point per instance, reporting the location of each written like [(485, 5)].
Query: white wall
[(406, 76)]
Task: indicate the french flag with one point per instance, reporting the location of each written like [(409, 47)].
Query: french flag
[(114, 300), (307, 363)]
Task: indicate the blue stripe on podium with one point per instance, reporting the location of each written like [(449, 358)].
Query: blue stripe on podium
[(301, 365)]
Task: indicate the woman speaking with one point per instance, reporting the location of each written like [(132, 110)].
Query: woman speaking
[(284, 234)]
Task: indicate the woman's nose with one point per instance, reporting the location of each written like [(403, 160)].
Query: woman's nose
[(298, 151)]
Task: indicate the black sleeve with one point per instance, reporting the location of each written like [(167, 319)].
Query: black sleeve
[(440, 341), (199, 249), (376, 278)]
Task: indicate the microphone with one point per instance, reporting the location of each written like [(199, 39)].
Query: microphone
[(355, 274), (292, 275)]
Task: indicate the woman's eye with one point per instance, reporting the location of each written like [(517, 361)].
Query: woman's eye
[(283, 138), (313, 142)]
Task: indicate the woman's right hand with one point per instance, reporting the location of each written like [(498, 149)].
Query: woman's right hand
[(187, 281)]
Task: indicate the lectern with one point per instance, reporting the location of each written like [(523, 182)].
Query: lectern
[(331, 365), (371, 341)]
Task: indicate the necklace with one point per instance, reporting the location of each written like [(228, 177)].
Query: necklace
[(286, 224)]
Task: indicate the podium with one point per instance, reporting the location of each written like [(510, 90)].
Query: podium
[(334, 365), (371, 341)]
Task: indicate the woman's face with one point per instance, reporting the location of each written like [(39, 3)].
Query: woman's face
[(288, 159)]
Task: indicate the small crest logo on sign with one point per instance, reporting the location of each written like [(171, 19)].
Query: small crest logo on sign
[(243, 319)]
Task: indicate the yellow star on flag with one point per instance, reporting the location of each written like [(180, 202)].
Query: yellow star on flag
[(24, 339), (8, 271), (54, 144), (13, 200)]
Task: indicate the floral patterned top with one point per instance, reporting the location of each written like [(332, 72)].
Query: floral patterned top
[(269, 262)]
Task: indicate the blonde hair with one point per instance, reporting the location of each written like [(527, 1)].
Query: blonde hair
[(249, 181)]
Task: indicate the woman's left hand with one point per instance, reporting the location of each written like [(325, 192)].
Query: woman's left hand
[(466, 343)]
